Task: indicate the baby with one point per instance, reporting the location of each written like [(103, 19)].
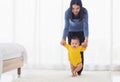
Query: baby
[(74, 55)]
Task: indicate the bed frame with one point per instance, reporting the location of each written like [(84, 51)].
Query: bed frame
[(14, 63)]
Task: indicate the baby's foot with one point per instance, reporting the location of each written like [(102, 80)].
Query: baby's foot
[(74, 74)]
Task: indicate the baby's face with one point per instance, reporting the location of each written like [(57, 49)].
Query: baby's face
[(75, 43)]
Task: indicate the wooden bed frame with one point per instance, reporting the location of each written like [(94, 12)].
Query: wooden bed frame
[(14, 63)]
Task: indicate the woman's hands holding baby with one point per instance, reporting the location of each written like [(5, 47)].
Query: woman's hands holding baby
[(85, 43), (62, 42)]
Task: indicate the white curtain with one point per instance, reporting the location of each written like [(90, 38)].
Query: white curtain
[(6, 21), (98, 54), (116, 35), (38, 26)]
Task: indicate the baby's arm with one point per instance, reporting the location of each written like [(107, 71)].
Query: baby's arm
[(66, 45), (82, 48)]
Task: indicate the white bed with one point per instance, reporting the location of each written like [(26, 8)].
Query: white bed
[(12, 56)]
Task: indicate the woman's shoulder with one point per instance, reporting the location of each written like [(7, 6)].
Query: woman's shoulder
[(67, 12), (85, 11)]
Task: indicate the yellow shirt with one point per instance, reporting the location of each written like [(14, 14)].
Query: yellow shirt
[(74, 55)]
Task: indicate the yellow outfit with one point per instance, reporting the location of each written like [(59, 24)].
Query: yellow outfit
[(74, 55)]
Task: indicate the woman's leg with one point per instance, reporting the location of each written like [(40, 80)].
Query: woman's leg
[(82, 56), (82, 38), (70, 35)]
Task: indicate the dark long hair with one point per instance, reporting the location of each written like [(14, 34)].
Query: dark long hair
[(80, 14)]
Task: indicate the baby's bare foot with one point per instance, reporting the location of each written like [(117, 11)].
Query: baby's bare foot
[(74, 73)]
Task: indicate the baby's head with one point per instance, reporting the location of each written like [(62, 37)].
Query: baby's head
[(75, 42)]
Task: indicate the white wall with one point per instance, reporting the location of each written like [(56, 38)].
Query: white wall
[(38, 26)]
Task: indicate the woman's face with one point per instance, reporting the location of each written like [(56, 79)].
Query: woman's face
[(75, 9)]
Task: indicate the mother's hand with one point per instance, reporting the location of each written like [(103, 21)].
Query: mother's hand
[(84, 44), (62, 42)]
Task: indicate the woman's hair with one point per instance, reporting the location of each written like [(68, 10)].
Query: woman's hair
[(80, 14)]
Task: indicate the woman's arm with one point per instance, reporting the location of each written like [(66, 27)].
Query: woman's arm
[(85, 23), (66, 28), (86, 29)]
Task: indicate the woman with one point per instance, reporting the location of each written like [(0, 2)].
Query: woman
[(76, 24)]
